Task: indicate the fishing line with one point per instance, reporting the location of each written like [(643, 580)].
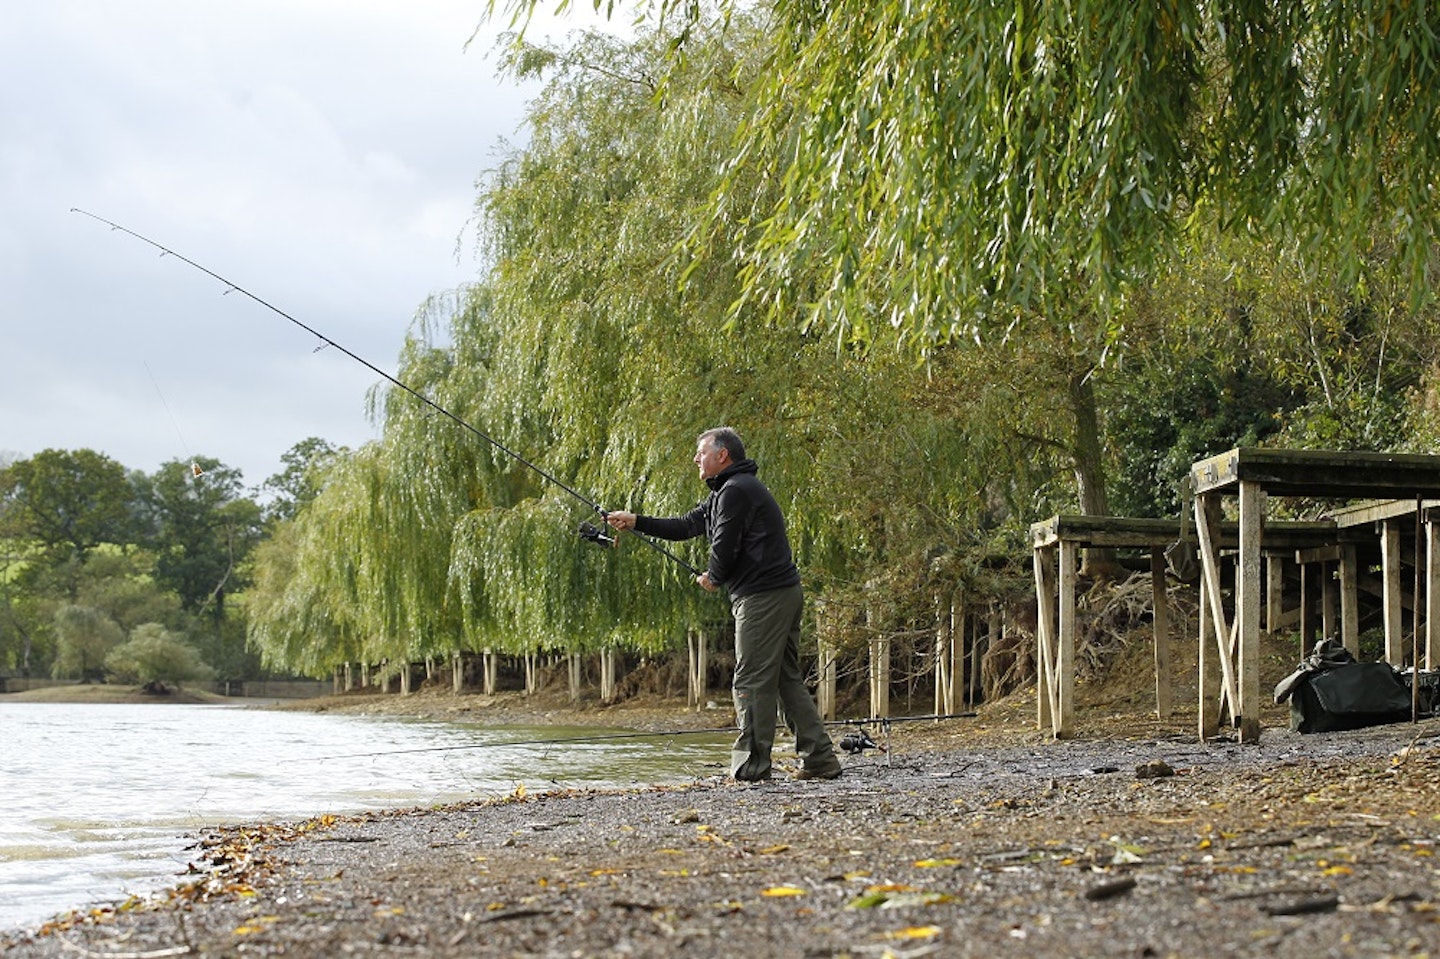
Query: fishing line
[(326, 342), (195, 469)]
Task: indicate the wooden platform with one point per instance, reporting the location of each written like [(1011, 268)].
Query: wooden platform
[(1057, 543), (1230, 647)]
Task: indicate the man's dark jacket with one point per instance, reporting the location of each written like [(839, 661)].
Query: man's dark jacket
[(749, 551)]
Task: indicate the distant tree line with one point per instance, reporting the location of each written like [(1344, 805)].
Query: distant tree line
[(115, 574)]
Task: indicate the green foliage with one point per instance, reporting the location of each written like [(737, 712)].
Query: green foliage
[(203, 531), (67, 503), (84, 636), (153, 654), (984, 162), (948, 267), (299, 482)]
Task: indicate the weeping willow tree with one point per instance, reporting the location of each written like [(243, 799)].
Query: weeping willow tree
[(621, 342), (992, 176), (579, 352)]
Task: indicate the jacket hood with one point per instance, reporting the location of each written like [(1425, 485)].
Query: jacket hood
[(734, 469)]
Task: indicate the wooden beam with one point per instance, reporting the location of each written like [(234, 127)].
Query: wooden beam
[(1064, 716), (1318, 554), (1247, 607), (1274, 591), (1393, 600), (1207, 514), (1349, 600), (1432, 593), (1324, 473), (1375, 511), (1045, 600)]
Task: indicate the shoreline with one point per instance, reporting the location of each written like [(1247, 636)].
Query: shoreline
[(971, 837), (106, 693)]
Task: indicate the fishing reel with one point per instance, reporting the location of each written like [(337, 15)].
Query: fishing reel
[(857, 742), (593, 534)]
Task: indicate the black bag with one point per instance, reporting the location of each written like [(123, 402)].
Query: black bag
[(1349, 697)]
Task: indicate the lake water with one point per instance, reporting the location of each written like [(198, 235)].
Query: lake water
[(99, 802)]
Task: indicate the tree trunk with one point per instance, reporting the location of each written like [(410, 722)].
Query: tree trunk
[(1086, 451)]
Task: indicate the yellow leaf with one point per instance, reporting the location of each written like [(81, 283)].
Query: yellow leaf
[(1338, 871), (774, 850), (606, 872), (936, 863), (914, 932), (777, 892)]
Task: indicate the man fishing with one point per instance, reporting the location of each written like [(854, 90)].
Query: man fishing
[(750, 556)]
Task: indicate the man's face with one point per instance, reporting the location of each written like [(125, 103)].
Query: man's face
[(710, 459)]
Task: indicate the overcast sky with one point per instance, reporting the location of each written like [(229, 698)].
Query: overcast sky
[(322, 154)]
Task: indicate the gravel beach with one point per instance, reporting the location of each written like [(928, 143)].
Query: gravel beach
[(968, 838)]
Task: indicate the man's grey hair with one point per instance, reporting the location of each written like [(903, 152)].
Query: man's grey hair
[(726, 438)]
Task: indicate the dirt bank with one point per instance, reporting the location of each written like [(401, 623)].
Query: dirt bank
[(970, 838), (106, 693)]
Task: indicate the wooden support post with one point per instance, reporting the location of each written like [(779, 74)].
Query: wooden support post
[(1064, 682), (879, 677), (457, 671), (1160, 626), (1309, 627), (1329, 621), (1045, 629), (491, 670), (1349, 600), (609, 667), (698, 641), (574, 667), (1274, 591), (1207, 515), (1247, 607), (943, 657), (1432, 593), (1393, 593), (825, 694), (1209, 706)]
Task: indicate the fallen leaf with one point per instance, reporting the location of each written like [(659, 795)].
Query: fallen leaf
[(914, 932), (778, 892)]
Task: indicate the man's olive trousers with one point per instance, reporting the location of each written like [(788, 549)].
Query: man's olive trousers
[(767, 676)]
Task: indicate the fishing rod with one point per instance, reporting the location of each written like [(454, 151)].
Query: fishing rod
[(661, 734), (586, 531)]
